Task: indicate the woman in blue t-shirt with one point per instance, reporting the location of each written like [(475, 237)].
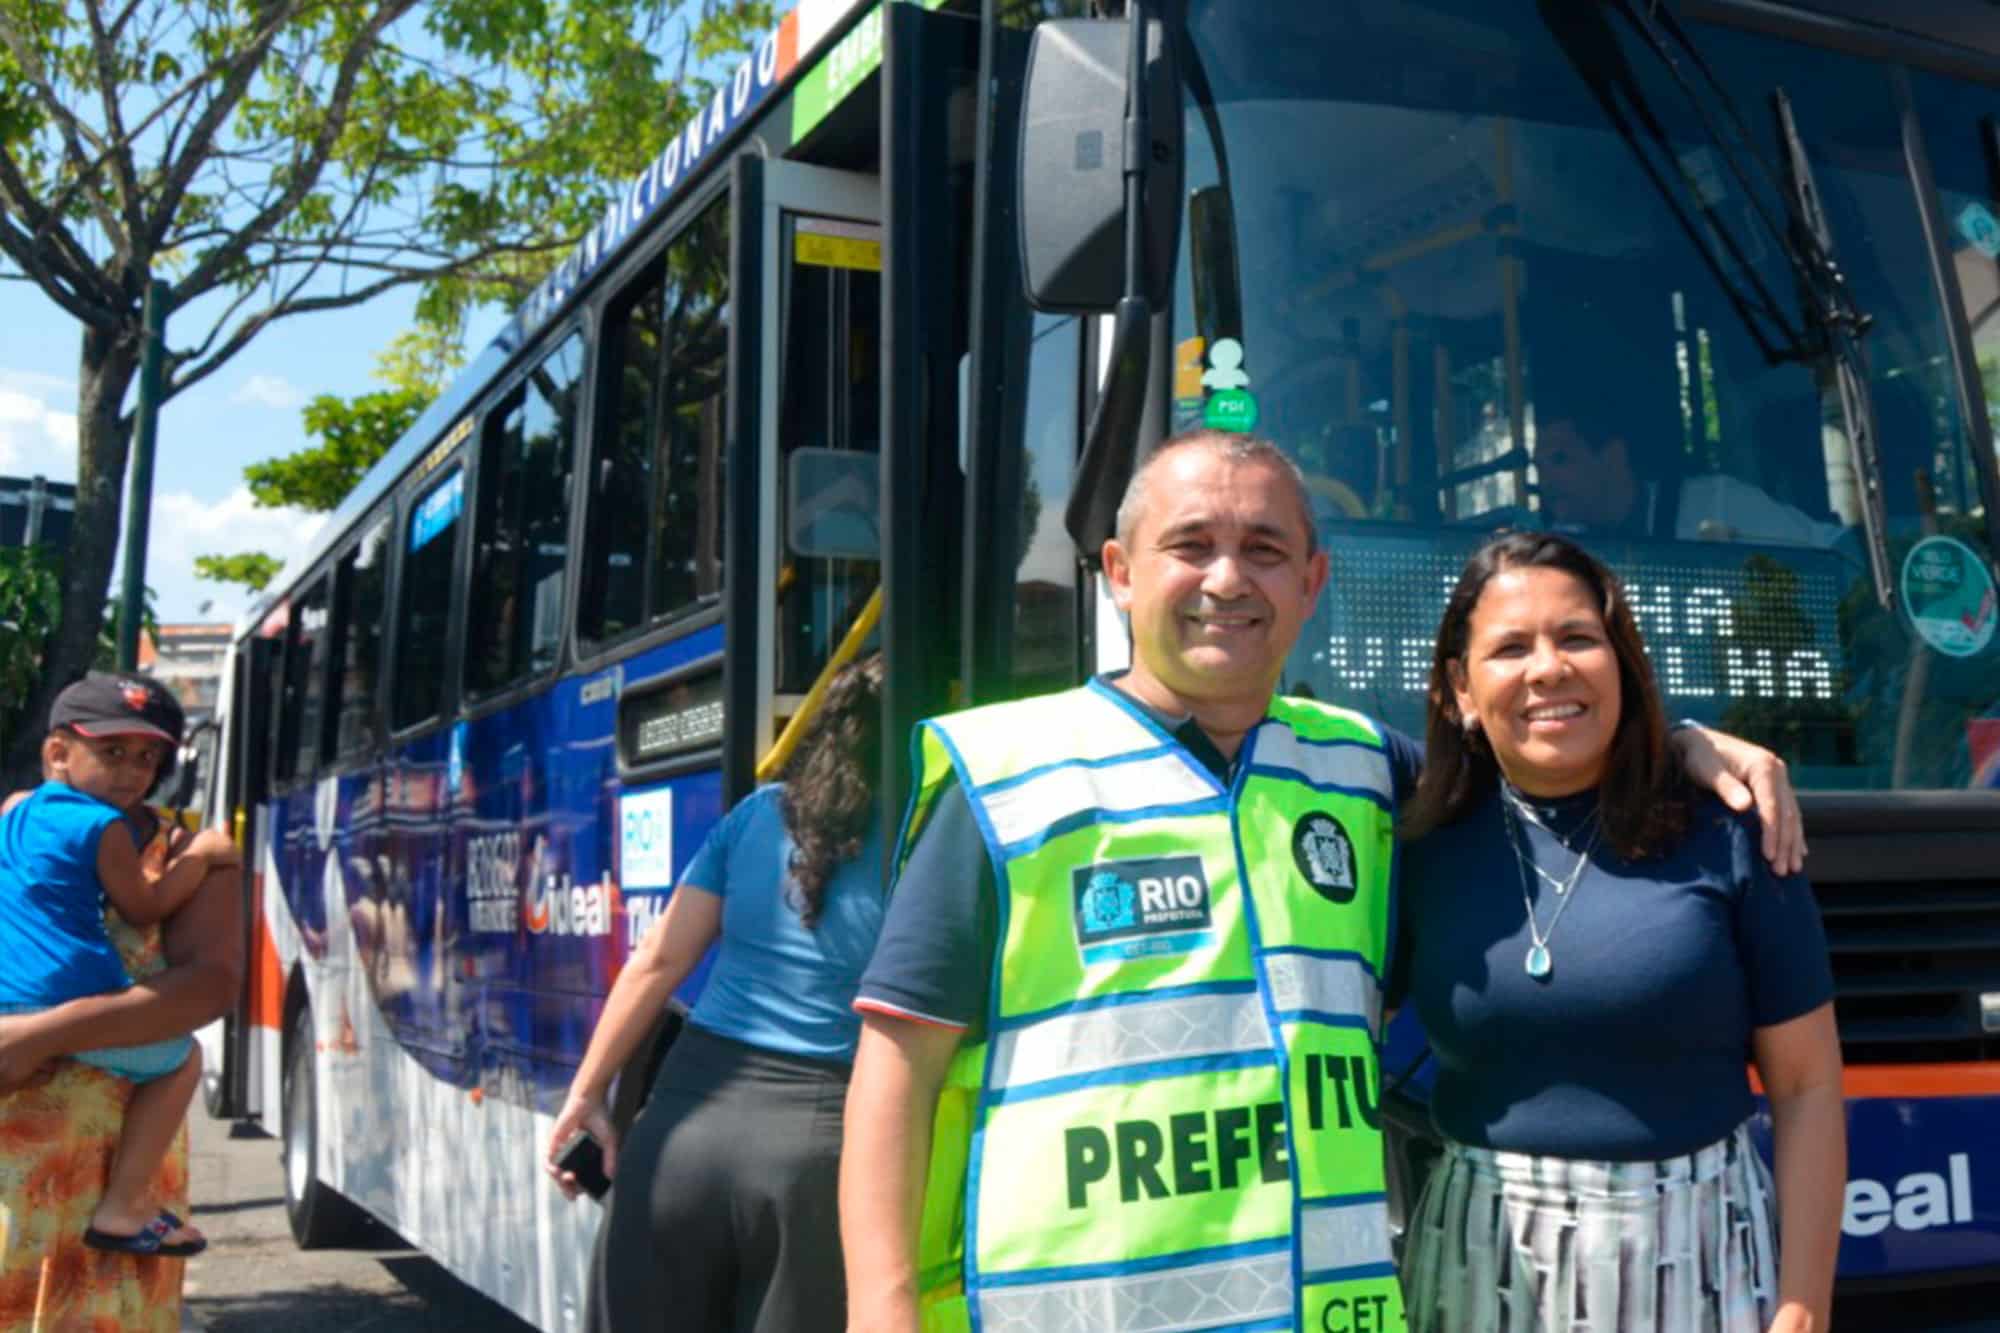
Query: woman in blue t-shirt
[(1595, 951), (724, 1214)]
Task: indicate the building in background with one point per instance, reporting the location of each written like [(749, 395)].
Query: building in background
[(36, 510), (188, 659)]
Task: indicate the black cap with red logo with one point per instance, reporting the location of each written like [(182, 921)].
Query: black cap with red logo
[(104, 704)]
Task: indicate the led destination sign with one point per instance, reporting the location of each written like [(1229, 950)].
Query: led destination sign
[(683, 716), (1721, 621)]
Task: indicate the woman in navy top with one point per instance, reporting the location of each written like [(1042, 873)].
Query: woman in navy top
[(723, 1215), (1595, 952)]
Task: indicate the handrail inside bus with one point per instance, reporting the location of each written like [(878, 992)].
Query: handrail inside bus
[(780, 753)]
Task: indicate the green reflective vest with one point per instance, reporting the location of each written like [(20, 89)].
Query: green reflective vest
[(1172, 1122)]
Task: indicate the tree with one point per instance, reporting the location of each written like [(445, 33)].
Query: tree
[(253, 569), (274, 159)]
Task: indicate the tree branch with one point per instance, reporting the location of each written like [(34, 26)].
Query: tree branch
[(308, 167), (69, 129), (236, 74), (117, 146), (59, 284)]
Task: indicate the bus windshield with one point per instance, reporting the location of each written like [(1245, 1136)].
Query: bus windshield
[(1481, 266)]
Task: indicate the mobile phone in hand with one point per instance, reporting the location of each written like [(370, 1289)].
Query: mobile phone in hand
[(584, 1159)]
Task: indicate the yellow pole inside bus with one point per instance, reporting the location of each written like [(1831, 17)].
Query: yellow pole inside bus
[(780, 752)]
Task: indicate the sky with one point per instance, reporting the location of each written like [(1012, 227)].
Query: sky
[(247, 411)]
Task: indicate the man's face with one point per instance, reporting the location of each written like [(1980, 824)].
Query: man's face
[(1581, 483), (1216, 579)]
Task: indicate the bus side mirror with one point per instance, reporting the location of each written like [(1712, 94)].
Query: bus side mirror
[(1072, 188), (192, 765)]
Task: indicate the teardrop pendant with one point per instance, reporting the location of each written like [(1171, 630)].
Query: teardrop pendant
[(1538, 964)]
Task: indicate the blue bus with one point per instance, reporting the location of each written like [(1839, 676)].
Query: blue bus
[(872, 343)]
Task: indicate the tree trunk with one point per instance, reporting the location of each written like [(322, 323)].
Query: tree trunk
[(103, 436)]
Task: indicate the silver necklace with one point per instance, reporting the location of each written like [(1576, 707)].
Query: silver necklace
[(1540, 963), (1520, 806)]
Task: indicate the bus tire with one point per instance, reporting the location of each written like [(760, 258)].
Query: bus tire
[(320, 1216)]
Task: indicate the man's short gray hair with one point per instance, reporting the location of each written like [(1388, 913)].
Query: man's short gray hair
[(1233, 449)]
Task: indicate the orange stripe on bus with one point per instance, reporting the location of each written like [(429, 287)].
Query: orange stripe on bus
[(1967, 1080), (264, 1002)]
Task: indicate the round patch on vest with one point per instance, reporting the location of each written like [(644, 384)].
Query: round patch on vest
[(1325, 856)]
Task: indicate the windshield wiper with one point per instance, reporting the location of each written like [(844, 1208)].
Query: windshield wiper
[(1842, 326), (1837, 323)]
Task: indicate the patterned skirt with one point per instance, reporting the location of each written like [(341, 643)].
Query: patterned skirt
[(1509, 1242)]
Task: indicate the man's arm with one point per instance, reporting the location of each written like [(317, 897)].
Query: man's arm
[(899, 1066), (1744, 775), (204, 949)]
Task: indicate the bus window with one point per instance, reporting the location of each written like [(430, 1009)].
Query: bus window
[(357, 640), (830, 397), (1963, 138), (301, 720), (1045, 650), (1495, 299), (522, 534), (430, 540), (653, 549)]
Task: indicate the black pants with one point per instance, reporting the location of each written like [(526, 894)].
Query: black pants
[(724, 1214)]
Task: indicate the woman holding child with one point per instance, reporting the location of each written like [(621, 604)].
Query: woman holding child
[(1599, 949), (92, 1160)]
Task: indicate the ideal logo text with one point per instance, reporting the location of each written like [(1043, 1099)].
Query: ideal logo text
[(1917, 1202)]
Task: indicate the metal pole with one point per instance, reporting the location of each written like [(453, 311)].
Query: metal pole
[(139, 495)]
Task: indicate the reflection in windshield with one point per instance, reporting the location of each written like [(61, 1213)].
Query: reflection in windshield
[(1462, 302)]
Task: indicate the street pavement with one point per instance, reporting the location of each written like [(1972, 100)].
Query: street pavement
[(253, 1279)]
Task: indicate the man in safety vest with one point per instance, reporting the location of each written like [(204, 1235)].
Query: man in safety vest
[(1118, 1064)]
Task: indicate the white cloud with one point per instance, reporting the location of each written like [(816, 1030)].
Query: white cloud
[(37, 426), (184, 527), (268, 391)]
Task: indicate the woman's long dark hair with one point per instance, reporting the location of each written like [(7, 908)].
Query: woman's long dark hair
[(1642, 795), (828, 799)]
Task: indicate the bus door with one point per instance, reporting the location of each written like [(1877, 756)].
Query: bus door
[(245, 789), (804, 541)]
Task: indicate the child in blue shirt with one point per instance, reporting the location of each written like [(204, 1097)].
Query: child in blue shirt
[(65, 849)]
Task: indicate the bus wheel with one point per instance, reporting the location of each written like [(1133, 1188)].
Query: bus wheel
[(319, 1215)]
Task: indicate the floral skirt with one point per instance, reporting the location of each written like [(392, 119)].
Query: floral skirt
[(1510, 1241), (56, 1144)]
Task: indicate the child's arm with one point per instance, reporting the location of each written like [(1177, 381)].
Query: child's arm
[(144, 899)]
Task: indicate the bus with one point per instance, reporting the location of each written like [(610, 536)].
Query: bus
[(867, 352)]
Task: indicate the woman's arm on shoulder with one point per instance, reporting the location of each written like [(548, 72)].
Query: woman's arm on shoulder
[(1798, 1062)]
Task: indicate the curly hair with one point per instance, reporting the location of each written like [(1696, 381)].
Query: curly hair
[(828, 799)]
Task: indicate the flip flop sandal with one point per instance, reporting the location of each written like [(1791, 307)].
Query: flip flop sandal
[(148, 1243)]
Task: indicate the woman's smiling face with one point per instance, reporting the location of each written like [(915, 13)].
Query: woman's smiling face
[(1540, 678)]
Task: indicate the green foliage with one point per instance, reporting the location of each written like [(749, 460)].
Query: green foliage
[(253, 569), (351, 434), (30, 595), (595, 103), (280, 157), (106, 655), (30, 606)]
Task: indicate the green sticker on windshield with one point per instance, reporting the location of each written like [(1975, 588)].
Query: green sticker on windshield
[(1231, 410), (1977, 224), (1949, 594)]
